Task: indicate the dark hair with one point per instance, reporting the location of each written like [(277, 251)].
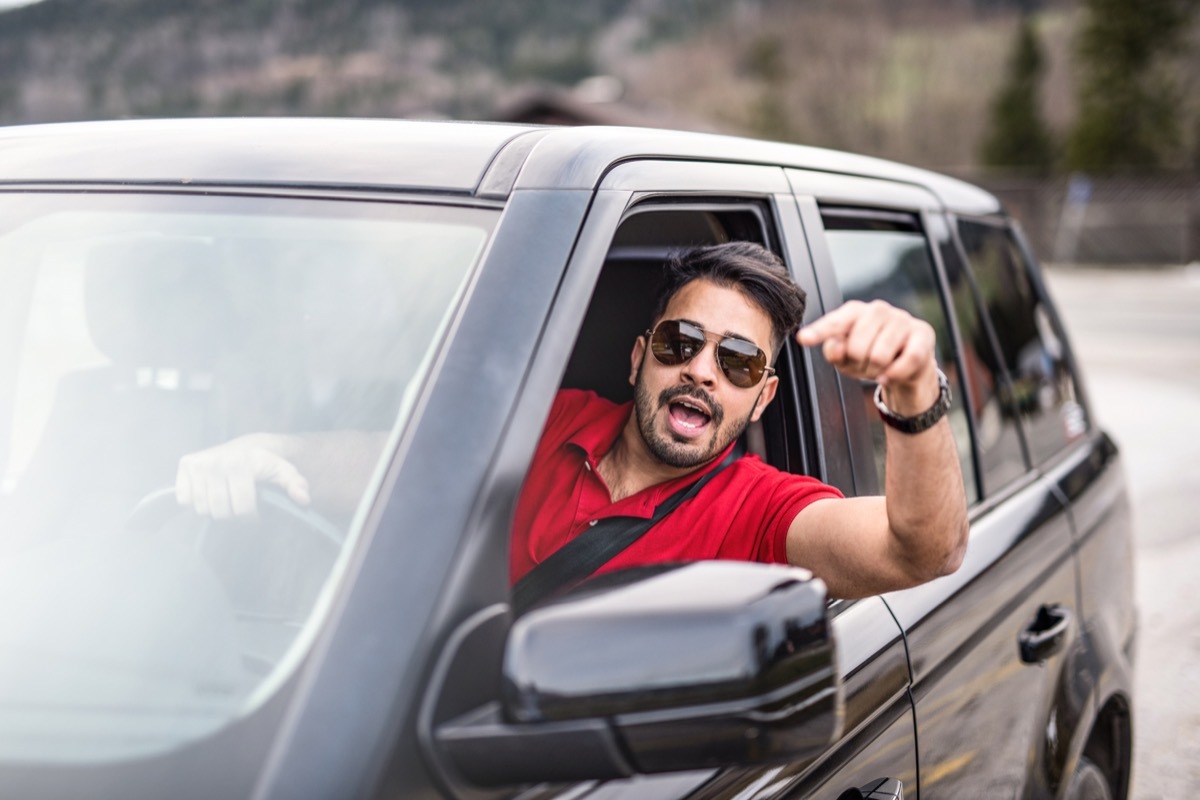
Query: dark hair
[(748, 267)]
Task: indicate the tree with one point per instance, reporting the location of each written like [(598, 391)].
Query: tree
[(1128, 103), (1019, 137), (767, 64)]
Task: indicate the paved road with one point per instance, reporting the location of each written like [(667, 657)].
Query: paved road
[(1138, 336)]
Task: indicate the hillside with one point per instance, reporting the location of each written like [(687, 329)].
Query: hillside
[(73, 59), (859, 75), (907, 80)]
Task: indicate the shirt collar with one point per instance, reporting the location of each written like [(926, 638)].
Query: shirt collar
[(597, 438)]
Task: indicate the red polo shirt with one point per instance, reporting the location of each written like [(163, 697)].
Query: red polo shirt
[(742, 514)]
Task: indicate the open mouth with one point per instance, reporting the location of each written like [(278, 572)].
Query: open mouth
[(688, 416)]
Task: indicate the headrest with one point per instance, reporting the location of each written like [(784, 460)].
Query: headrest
[(620, 311), (159, 303)]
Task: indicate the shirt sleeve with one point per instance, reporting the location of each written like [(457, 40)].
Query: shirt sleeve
[(786, 496)]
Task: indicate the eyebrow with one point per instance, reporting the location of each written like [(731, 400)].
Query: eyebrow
[(728, 334)]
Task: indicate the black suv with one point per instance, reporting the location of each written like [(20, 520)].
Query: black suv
[(166, 286)]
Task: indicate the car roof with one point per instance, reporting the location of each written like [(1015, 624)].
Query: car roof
[(482, 159), (319, 152)]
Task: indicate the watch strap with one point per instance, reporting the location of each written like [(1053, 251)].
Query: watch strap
[(923, 421)]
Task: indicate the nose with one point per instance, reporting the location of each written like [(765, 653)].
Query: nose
[(702, 368)]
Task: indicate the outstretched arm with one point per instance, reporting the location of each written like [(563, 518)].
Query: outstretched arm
[(918, 530), (331, 468)]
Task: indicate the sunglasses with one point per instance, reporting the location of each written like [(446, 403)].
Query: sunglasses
[(674, 342)]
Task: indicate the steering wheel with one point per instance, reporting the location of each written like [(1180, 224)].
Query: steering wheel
[(159, 507), (272, 565)]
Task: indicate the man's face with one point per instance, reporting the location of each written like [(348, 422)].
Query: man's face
[(689, 413)]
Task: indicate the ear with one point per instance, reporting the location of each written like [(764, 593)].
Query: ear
[(765, 396), (635, 359)]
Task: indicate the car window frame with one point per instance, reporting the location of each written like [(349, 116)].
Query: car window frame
[(1034, 270), (813, 190), (917, 222)]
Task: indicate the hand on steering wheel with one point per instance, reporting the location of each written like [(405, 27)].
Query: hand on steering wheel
[(222, 481), (159, 507)]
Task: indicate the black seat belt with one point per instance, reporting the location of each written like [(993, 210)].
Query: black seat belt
[(596, 546)]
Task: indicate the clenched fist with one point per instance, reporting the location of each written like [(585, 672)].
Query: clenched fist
[(878, 342)]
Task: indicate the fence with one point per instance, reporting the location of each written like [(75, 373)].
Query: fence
[(1151, 219)]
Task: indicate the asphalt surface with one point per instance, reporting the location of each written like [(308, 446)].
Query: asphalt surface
[(1137, 334)]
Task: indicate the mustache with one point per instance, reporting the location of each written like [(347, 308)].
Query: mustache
[(696, 393)]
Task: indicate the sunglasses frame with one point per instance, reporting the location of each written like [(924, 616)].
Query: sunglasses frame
[(767, 370)]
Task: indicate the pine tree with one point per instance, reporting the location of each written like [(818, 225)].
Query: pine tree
[(1019, 137), (767, 64), (1128, 103)]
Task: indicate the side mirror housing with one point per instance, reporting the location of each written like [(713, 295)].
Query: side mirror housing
[(658, 669)]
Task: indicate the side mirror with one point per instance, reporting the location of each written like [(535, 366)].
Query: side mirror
[(658, 669)]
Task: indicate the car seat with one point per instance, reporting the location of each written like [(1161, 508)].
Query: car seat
[(157, 309)]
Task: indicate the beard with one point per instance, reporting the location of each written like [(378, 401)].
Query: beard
[(682, 454)]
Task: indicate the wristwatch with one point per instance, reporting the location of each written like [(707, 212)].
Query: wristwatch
[(923, 421)]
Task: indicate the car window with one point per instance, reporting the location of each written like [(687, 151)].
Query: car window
[(620, 311), (623, 300), (997, 438), (152, 327), (884, 255), (1032, 349)]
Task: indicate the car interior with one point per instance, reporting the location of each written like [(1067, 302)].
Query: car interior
[(152, 308), (177, 328)]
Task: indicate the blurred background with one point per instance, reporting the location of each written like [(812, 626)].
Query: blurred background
[(1083, 116)]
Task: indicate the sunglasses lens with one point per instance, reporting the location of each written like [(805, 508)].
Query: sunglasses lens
[(742, 362), (673, 343)]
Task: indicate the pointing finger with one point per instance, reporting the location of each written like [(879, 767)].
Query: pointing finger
[(835, 324)]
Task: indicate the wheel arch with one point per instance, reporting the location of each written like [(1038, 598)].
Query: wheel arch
[(1109, 743)]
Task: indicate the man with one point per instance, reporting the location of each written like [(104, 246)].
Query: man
[(700, 376), (695, 396)]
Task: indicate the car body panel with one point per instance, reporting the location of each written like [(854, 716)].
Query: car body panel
[(580, 157), (963, 633)]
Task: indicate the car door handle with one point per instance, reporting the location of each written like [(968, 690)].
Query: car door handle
[(878, 789), (1045, 636)]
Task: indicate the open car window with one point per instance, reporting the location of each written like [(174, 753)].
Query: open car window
[(623, 300)]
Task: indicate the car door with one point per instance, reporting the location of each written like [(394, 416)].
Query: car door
[(640, 208), (989, 706), (803, 432)]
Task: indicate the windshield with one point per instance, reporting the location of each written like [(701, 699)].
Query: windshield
[(137, 331)]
